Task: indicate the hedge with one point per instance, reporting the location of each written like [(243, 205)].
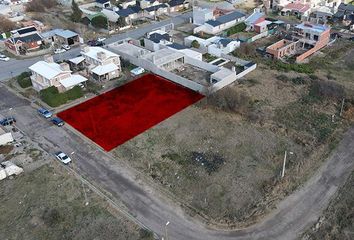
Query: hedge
[(24, 80), (53, 98)]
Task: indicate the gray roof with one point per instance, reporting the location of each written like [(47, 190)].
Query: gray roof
[(226, 18), (156, 7), (66, 34), (29, 38), (125, 12), (156, 37), (176, 46)]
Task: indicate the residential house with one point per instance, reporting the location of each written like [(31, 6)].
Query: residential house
[(253, 19), (297, 9), (216, 45), (103, 3), (101, 64), (129, 14), (155, 39), (177, 5), (61, 36), (24, 40), (147, 3), (47, 73), (128, 3), (345, 13), (156, 10), (201, 15), (219, 24), (307, 39)]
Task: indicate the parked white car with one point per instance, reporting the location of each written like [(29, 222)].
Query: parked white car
[(66, 47), (101, 39), (59, 50), (4, 58), (62, 157)]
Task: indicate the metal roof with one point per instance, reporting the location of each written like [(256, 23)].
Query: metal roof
[(156, 7), (226, 18)]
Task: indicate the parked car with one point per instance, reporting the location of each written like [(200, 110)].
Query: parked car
[(94, 43), (7, 121), (57, 121), (45, 113), (82, 86), (66, 47), (62, 157), (59, 50), (4, 58), (101, 39)]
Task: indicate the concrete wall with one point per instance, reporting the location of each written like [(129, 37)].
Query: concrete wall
[(219, 85), (6, 138), (200, 64)]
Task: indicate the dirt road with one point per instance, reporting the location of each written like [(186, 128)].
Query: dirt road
[(290, 219)]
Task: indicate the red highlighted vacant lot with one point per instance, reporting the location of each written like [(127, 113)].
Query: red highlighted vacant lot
[(121, 114)]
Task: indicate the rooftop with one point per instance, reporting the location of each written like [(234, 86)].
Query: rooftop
[(296, 7), (48, 70), (29, 38), (157, 37), (93, 51), (163, 56), (226, 18), (104, 69), (156, 7), (72, 81), (313, 27)]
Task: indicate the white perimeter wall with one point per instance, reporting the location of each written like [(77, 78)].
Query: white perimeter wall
[(6, 138)]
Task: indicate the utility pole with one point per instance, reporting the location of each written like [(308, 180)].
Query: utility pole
[(167, 223), (341, 108), (284, 163)]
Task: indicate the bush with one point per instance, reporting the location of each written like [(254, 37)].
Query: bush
[(235, 29), (300, 68), (230, 100), (40, 5), (195, 44), (99, 22), (24, 80), (146, 234), (326, 89)]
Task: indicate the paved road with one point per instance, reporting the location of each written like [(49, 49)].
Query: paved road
[(14, 67), (292, 216)]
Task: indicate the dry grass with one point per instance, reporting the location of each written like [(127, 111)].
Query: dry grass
[(48, 203)]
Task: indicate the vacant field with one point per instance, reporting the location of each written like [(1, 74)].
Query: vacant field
[(337, 221), (48, 203), (223, 156)]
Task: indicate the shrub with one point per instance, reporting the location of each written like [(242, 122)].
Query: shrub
[(99, 22), (195, 44), (24, 80), (146, 234), (230, 100), (326, 89), (300, 68)]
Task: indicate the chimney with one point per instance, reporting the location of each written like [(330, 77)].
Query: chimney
[(233, 68), (85, 48), (101, 55), (48, 58), (64, 66)]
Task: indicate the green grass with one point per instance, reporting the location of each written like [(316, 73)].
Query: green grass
[(53, 98), (286, 67), (236, 29)]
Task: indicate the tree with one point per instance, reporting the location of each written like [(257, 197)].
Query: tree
[(6, 25), (99, 22), (195, 44), (77, 13), (121, 22)]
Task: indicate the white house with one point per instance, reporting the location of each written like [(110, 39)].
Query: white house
[(147, 3), (5, 137), (221, 23), (215, 45), (201, 15), (47, 73), (156, 10), (155, 39), (101, 64)]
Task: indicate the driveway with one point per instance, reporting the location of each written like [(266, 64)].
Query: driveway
[(293, 215), (15, 67)]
